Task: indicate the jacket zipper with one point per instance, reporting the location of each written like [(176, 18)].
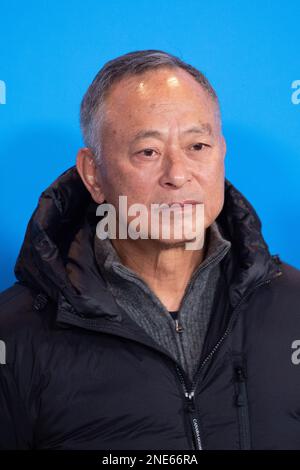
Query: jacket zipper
[(190, 395), (191, 408), (190, 392), (242, 406)]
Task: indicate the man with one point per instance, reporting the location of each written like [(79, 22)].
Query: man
[(141, 343)]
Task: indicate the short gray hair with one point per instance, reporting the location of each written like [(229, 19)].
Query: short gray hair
[(132, 63)]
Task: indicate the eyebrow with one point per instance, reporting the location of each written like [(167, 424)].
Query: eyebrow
[(204, 129)]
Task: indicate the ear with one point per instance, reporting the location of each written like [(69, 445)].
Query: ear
[(87, 169)]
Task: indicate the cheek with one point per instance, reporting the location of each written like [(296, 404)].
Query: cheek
[(215, 172), (213, 188), (120, 179), (214, 200)]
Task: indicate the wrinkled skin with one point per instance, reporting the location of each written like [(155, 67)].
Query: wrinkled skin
[(172, 166)]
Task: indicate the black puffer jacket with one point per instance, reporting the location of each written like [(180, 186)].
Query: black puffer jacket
[(78, 373)]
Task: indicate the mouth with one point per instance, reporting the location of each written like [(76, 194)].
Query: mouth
[(178, 205), (183, 203)]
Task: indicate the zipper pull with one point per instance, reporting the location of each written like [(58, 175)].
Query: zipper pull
[(178, 327), (240, 374), (190, 400), (191, 408), (241, 379)]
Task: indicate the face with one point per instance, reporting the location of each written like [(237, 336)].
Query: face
[(161, 143)]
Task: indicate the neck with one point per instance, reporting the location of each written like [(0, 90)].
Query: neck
[(166, 270)]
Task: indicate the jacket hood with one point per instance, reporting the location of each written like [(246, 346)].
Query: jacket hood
[(57, 257)]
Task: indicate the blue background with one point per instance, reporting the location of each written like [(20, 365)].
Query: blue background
[(250, 51)]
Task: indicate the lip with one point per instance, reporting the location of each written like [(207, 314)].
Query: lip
[(182, 203), (178, 205)]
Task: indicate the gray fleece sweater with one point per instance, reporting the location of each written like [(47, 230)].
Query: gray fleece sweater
[(144, 307)]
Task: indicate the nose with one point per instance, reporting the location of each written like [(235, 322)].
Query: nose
[(175, 170)]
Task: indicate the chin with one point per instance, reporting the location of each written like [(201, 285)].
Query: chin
[(177, 243)]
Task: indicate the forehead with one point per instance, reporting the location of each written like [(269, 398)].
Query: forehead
[(158, 94)]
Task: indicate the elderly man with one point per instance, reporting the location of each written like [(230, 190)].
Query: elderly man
[(139, 342)]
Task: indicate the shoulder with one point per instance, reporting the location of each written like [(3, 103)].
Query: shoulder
[(282, 296), (15, 297), (24, 320), (18, 308), (289, 269), (290, 278)]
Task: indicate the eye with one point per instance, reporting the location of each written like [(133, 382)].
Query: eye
[(199, 146), (146, 153)]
